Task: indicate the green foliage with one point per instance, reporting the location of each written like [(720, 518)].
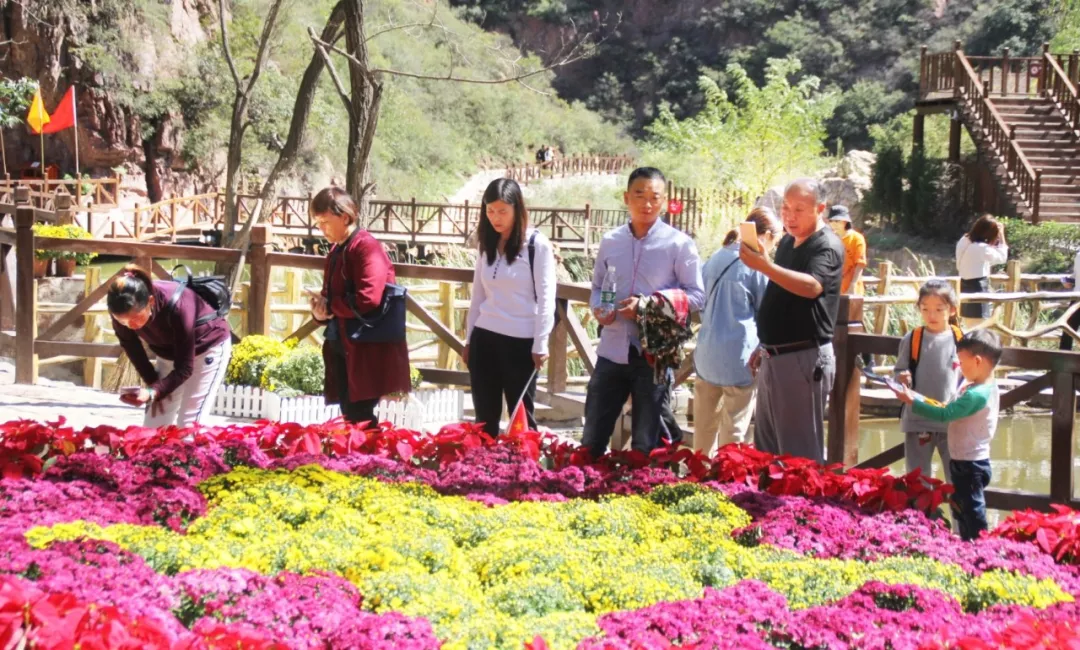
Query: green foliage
[(886, 195), (760, 137), (300, 372), (657, 55), (73, 231), (69, 231), (1067, 37), (15, 98), (1045, 248), (867, 102)]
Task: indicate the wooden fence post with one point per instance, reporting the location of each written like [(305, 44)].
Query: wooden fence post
[(1061, 436), (258, 304), (1012, 285), (65, 214), (557, 340), (92, 365), (26, 360), (446, 315), (587, 235), (843, 439), (293, 296)]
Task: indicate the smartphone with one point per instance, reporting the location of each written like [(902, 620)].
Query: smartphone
[(748, 234), (891, 383)]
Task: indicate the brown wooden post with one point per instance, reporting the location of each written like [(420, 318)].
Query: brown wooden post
[(412, 217), (1038, 197), (844, 404), (1061, 436), (557, 341), (92, 365), (466, 228), (26, 361), (1005, 72), (65, 214), (172, 218), (1073, 65), (955, 129), (587, 234), (258, 305), (923, 81), (1012, 285), (446, 316), (917, 129)]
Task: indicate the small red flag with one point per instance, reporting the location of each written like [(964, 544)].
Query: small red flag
[(674, 206), (519, 421), (64, 115)]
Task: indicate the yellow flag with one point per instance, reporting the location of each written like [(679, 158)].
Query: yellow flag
[(38, 117)]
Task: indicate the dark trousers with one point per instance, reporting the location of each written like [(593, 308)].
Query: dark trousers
[(1066, 340), (352, 412), (610, 385), (970, 478), (499, 366)]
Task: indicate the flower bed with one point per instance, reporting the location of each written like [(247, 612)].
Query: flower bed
[(302, 537)]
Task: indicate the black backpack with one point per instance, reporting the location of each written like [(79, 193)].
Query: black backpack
[(213, 289)]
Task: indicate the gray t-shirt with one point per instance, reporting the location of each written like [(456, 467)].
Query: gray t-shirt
[(937, 376)]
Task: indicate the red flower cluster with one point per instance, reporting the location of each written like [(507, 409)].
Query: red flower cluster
[(1025, 633), (28, 447), (31, 618), (1056, 533)]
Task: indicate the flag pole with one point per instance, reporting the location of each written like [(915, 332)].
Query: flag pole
[(44, 176), (75, 117), (525, 390)]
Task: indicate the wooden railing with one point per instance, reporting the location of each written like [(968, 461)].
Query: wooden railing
[(972, 95), (1057, 371), (103, 193), (1061, 88), (564, 166)]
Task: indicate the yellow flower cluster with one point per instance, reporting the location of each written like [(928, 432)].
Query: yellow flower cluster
[(495, 577)]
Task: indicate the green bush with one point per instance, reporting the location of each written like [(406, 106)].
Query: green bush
[(301, 372), (1045, 248), (78, 232), (251, 356)]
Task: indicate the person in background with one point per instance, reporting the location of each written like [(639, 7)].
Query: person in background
[(795, 324), (513, 307), (977, 251), (854, 250), (192, 343), (646, 255), (972, 419), (927, 362), (724, 389), (358, 373)]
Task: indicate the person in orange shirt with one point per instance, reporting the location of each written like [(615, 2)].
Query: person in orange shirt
[(854, 250)]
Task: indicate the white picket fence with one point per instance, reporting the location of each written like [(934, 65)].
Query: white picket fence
[(423, 410)]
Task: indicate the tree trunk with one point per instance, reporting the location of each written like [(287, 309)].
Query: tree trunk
[(365, 97)]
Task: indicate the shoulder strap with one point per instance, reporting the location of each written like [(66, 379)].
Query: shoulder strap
[(174, 299), (716, 284), (916, 348), (532, 266)]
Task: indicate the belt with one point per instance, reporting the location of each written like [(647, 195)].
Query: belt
[(787, 348)]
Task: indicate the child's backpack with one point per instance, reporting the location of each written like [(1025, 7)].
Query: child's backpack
[(916, 347)]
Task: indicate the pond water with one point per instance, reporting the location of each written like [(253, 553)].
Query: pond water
[(1019, 452)]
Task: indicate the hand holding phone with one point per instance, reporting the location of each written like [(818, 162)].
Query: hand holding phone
[(748, 234)]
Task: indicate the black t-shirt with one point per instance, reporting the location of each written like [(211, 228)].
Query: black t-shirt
[(786, 318)]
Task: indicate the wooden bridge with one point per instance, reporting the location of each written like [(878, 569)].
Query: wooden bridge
[(1023, 114)]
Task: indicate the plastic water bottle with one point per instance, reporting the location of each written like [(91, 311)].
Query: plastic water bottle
[(607, 292)]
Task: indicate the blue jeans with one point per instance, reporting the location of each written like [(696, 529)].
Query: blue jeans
[(609, 387), (970, 478)]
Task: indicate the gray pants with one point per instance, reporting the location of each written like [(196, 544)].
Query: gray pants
[(792, 393), (919, 454)]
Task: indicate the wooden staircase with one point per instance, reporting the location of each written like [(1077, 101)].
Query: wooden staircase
[(1023, 113)]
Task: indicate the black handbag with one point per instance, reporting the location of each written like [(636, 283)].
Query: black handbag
[(385, 323)]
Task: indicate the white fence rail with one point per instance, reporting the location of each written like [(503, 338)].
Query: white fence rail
[(424, 410)]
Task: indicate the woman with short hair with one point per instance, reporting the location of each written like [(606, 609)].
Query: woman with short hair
[(357, 271), (980, 249)]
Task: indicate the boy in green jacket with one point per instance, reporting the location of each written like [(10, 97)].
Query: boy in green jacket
[(972, 419)]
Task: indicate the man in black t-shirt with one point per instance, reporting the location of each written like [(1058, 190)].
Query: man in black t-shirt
[(795, 362)]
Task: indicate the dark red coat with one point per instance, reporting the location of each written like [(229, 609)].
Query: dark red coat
[(374, 369)]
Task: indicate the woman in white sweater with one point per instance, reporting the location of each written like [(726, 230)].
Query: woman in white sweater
[(513, 306), (977, 251)]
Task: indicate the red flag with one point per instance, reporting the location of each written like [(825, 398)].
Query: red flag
[(519, 421), (64, 115)]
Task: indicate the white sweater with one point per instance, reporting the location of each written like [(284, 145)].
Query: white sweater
[(502, 296), (973, 260)]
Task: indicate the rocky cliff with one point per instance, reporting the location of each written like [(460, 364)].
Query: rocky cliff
[(65, 42)]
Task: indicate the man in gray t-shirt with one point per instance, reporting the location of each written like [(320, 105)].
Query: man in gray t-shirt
[(937, 376)]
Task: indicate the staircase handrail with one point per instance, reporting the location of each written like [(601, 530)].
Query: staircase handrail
[(1061, 90), (1000, 136)]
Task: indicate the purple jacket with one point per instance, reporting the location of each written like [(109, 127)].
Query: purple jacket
[(172, 334)]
